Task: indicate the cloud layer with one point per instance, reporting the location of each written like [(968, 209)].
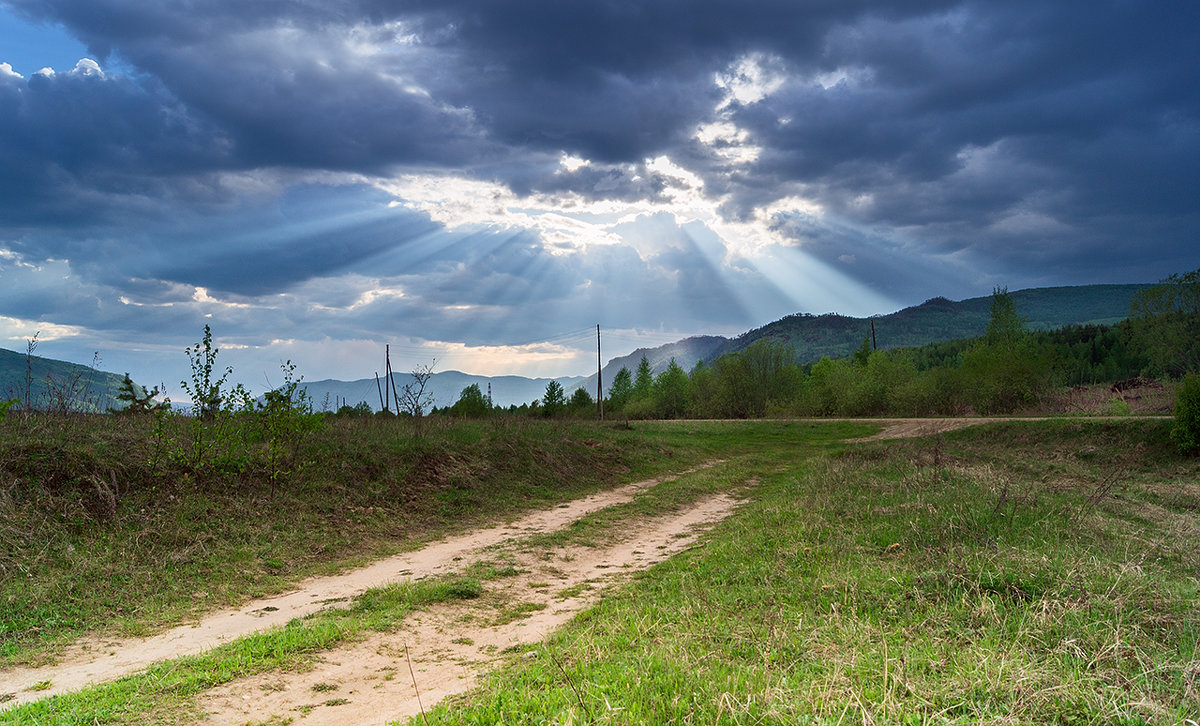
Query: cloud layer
[(475, 173)]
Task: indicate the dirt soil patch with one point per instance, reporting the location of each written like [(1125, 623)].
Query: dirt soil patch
[(911, 428), (449, 646), (95, 661)]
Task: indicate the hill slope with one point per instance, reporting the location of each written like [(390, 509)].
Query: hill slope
[(934, 321), (57, 385), (939, 320)]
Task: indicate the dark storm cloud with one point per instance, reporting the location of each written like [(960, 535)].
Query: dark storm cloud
[(948, 126), (613, 81), (70, 141), (1055, 141)]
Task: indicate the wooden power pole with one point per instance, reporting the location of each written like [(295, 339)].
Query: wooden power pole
[(599, 381)]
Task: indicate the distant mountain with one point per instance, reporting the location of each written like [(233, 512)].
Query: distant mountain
[(933, 321), (938, 319), (686, 352), (444, 387), (57, 385)]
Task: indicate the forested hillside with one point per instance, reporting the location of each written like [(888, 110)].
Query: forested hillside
[(56, 385), (938, 320)]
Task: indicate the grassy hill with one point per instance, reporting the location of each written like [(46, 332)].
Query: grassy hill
[(57, 385), (938, 320)]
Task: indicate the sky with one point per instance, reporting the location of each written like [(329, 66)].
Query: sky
[(479, 183)]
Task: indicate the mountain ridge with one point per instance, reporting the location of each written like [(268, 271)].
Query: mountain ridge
[(936, 320)]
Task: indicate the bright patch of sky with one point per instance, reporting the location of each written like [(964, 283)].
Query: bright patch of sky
[(750, 79), (30, 47)]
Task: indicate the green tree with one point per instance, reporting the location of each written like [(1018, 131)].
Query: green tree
[(749, 381), (1006, 326), (137, 399), (1166, 324), (287, 417), (471, 403), (671, 391), (1006, 369), (362, 408), (621, 390), (582, 404), (703, 385), (643, 380), (554, 400), (863, 354)]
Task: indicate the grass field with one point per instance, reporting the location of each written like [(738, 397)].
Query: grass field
[(1013, 573), (99, 534), (1018, 573)]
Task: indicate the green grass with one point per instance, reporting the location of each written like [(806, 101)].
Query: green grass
[(1013, 573), (169, 688), (94, 514), (1020, 573)]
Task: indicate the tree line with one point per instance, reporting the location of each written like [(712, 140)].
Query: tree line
[(1009, 368)]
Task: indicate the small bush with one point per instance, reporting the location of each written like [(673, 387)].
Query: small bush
[(1117, 406), (1186, 432)]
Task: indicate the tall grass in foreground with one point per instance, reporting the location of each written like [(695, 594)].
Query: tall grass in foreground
[(101, 533), (1014, 574)]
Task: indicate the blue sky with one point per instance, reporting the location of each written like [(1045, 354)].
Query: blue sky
[(481, 182)]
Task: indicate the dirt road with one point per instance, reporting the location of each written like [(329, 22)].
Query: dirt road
[(99, 661), (449, 646)]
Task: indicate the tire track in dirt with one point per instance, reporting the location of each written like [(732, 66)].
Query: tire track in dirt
[(451, 645), (95, 661), (911, 428)]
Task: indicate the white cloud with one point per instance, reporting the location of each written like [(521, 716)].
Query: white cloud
[(573, 163), (16, 329), (728, 141), (750, 79), (87, 67)]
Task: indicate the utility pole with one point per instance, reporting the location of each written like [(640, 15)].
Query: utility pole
[(489, 394), (873, 346), (599, 382)]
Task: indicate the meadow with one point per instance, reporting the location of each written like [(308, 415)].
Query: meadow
[(1021, 572)]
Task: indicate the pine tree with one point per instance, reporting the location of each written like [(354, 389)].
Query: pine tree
[(621, 390), (643, 381), (135, 403), (554, 400)]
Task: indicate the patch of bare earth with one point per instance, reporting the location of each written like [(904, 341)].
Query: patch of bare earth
[(97, 661), (449, 646), (911, 428)]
